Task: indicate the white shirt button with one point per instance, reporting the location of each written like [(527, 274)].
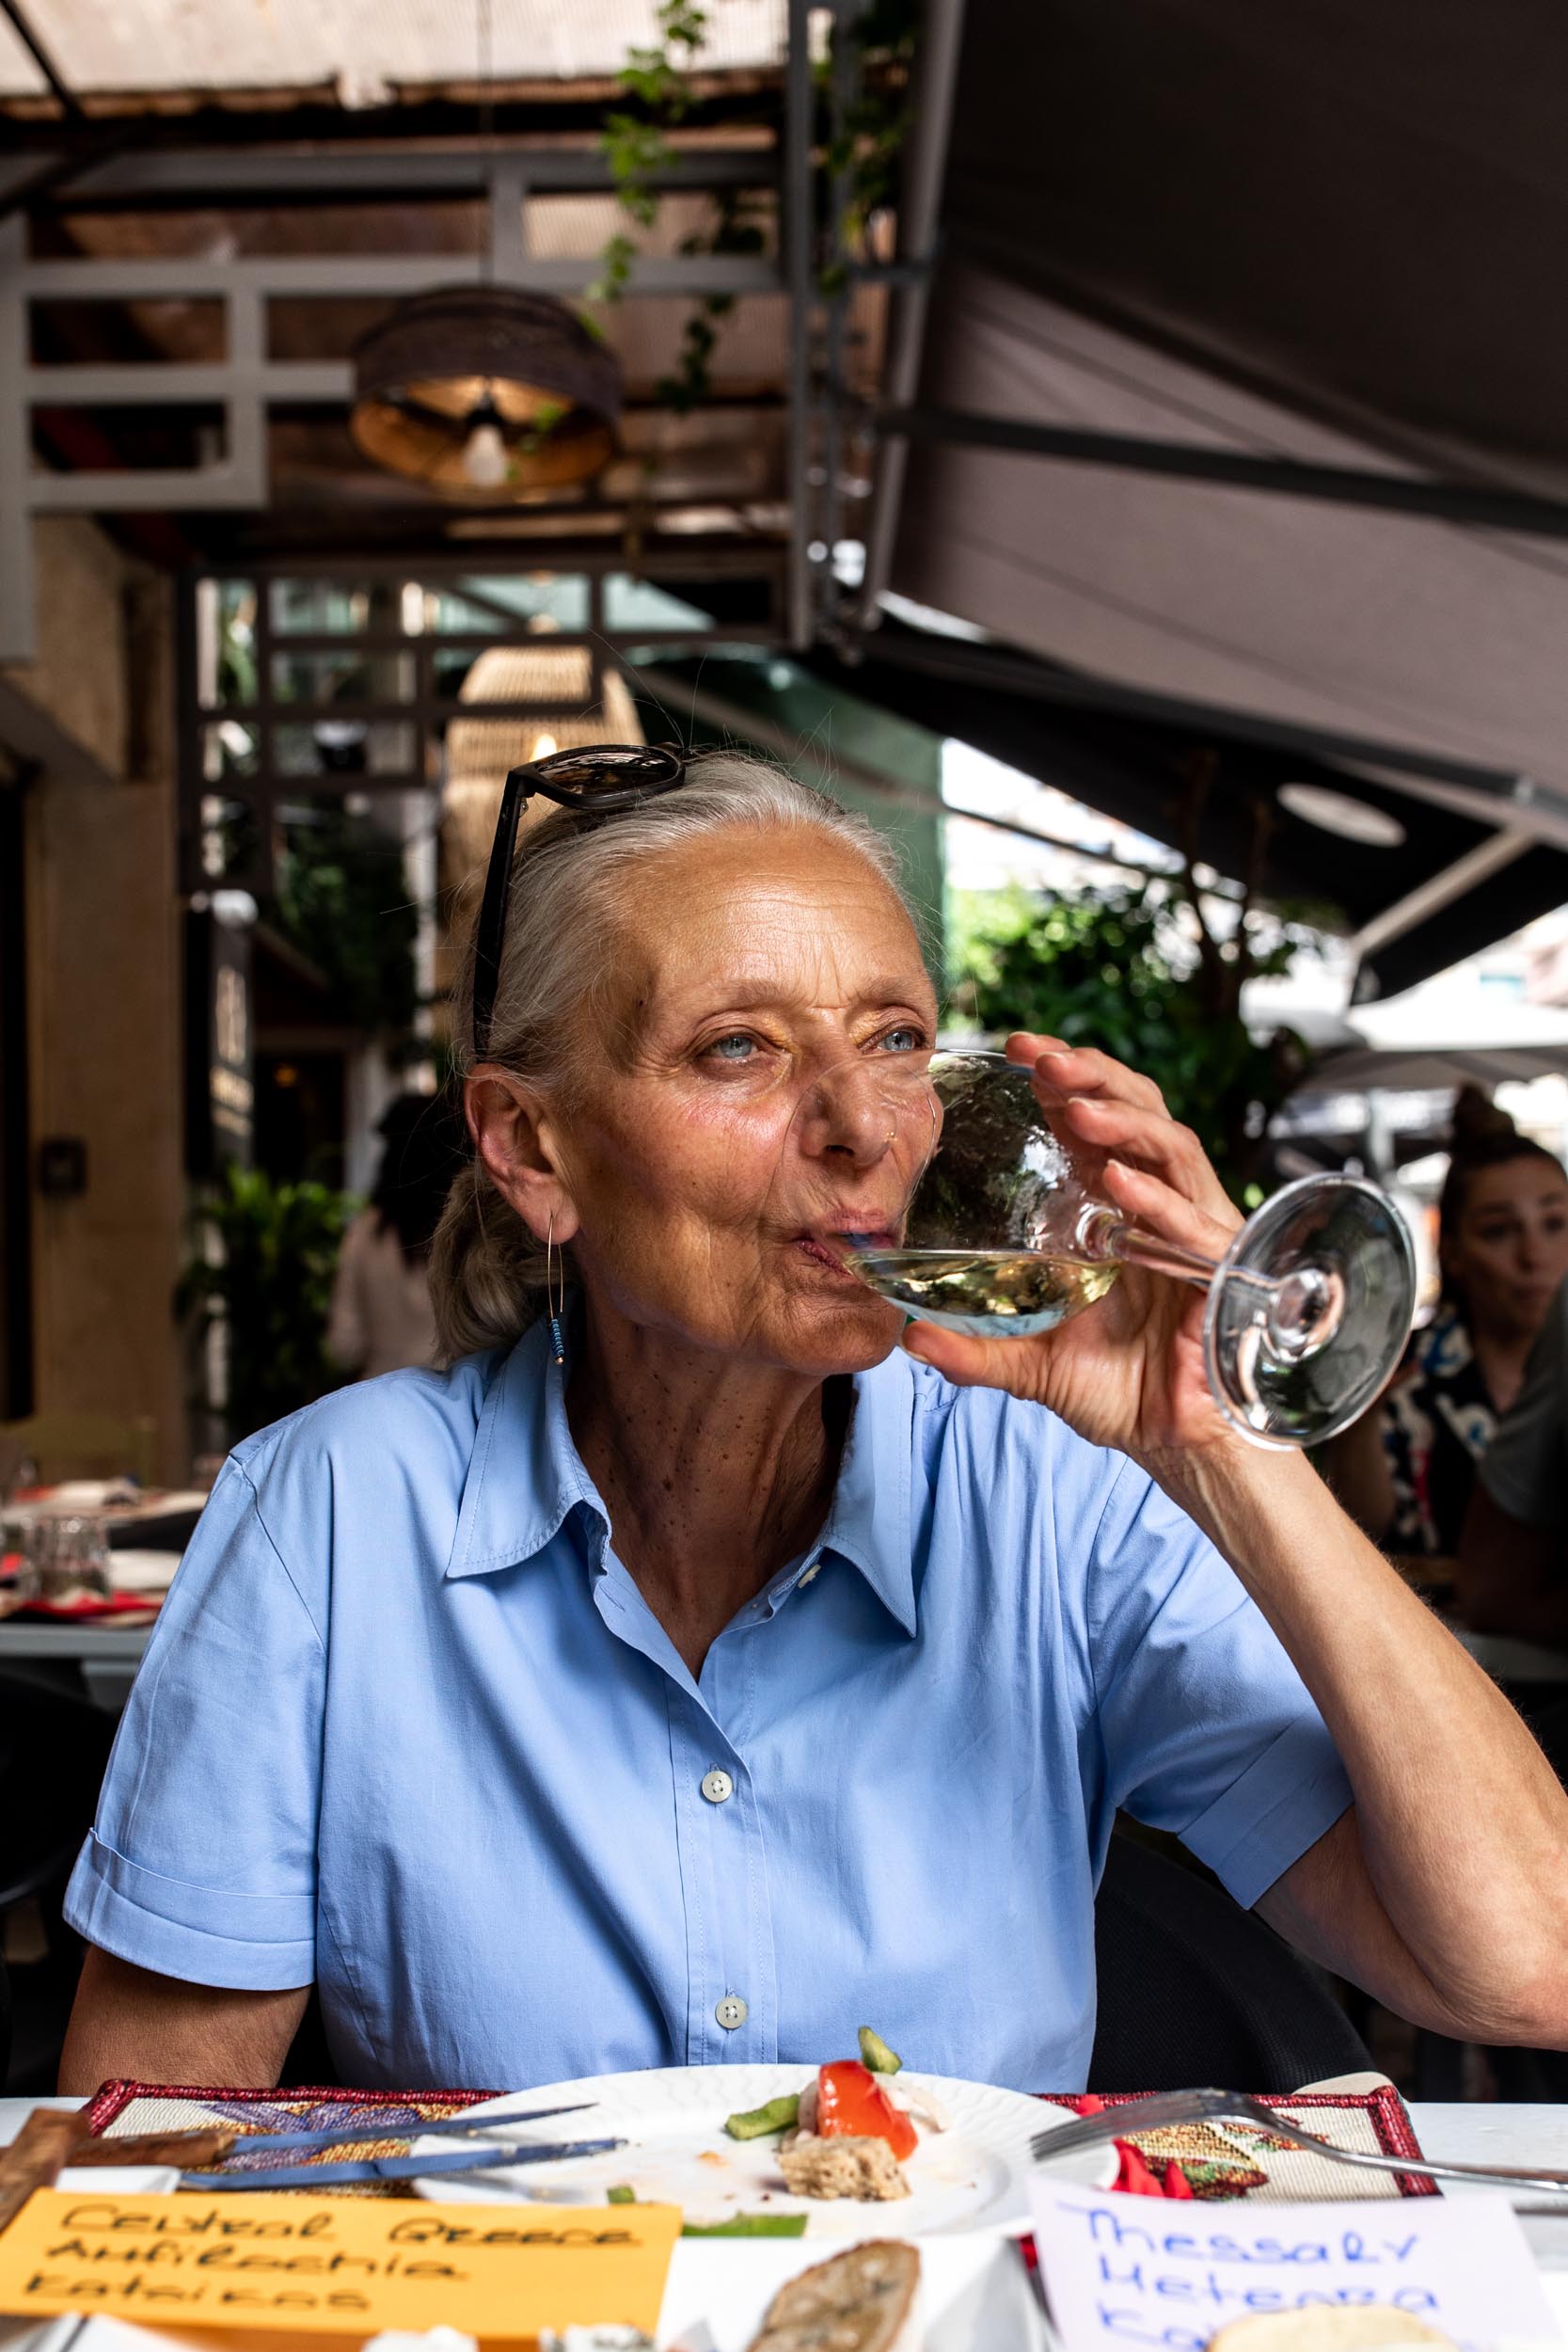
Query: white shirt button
[(717, 1786), (731, 2011)]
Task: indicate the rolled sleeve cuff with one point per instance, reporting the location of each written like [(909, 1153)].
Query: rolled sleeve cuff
[(1282, 1803), (201, 1934)]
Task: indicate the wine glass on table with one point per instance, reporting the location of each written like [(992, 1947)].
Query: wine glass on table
[(1006, 1230)]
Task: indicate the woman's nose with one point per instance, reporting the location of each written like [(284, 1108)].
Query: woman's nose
[(856, 1113)]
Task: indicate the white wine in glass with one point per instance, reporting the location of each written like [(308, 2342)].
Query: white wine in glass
[(1005, 1232), (1000, 1294)]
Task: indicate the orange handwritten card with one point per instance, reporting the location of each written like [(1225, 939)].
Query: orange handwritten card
[(335, 2265)]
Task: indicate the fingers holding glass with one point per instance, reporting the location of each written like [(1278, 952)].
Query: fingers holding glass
[(1042, 1188)]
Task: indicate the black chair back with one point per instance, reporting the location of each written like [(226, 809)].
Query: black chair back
[(1194, 1990), (53, 1747)]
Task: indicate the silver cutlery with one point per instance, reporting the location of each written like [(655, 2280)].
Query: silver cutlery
[(452, 2160), (1234, 2107), (455, 2127)]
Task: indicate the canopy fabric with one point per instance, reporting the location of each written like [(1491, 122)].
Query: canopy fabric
[(1356, 210), (366, 47), (1138, 771), (1325, 234), (1389, 627)]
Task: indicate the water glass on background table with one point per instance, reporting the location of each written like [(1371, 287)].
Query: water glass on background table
[(72, 1556), (19, 1559)]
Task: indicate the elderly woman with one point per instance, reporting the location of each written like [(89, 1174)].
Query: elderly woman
[(749, 1672)]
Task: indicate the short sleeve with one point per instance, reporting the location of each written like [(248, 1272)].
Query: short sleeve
[(1525, 1469), (1207, 1729), (201, 1864)]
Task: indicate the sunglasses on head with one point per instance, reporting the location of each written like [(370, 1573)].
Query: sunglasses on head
[(601, 780)]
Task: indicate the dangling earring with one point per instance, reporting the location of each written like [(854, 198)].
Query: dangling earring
[(554, 1307)]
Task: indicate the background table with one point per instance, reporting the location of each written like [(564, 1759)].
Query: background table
[(102, 1657)]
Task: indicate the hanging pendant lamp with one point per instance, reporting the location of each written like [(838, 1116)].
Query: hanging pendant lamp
[(484, 393)]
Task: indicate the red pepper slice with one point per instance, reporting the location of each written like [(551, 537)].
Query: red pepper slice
[(852, 2105)]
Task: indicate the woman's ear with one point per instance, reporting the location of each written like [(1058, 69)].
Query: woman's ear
[(516, 1139)]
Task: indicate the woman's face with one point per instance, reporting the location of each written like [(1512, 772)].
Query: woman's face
[(765, 991), (1510, 1251)]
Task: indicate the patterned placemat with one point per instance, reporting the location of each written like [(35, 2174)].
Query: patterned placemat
[(1210, 2161), (1225, 2160), (120, 2108)]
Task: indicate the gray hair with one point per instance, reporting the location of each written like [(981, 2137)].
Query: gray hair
[(571, 878)]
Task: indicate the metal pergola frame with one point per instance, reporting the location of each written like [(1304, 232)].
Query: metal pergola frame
[(426, 711), (248, 383)]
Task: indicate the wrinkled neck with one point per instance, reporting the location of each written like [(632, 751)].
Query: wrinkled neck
[(715, 1473)]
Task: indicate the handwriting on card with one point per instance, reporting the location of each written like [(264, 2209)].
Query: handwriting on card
[(1123, 2270), (337, 2264)]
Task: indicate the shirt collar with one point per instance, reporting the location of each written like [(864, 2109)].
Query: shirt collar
[(868, 1524), (524, 1475)]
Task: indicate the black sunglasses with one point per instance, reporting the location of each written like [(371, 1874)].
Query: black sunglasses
[(601, 780)]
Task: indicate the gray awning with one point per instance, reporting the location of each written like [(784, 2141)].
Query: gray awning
[(1235, 243)]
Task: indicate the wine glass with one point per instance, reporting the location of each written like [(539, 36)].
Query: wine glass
[(1006, 1230)]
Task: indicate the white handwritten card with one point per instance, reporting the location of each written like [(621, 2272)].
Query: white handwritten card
[(1146, 2274)]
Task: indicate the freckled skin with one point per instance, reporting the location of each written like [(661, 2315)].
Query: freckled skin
[(683, 1174), (751, 971)]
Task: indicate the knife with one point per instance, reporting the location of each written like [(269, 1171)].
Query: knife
[(453, 2160), (344, 2135)]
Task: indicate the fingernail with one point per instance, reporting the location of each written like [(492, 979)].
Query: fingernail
[(914, 1345)]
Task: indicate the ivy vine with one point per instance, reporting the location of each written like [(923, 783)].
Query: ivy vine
[(637, 146), (858, 157)]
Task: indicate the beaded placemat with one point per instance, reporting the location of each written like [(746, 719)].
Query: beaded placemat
[(1197, 2160)]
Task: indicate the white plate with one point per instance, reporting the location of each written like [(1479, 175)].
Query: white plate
[(975, 2175), (975, 2293)]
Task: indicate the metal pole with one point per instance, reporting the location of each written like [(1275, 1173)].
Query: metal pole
[(66, 96), (846, 78), (1279, 477), (918, 212), (18, 616), (799, 262)]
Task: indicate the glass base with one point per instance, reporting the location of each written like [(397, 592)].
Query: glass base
[(1309, 1311)]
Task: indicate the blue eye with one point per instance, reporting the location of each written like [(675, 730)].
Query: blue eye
[(903, 1041), (724, 1047)]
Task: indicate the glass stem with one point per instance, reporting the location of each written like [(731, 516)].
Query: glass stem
[(1126, 1244)]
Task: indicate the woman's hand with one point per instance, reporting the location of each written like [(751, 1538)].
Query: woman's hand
[(1128, 1372)]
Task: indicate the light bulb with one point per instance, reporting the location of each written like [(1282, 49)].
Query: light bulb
[(486, 463), (543, 746)]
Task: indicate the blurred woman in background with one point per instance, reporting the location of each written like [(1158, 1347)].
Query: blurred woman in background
[(1407, 1469), (382, 1319)]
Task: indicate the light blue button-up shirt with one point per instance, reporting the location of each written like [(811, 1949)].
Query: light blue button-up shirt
[(406, 1727)]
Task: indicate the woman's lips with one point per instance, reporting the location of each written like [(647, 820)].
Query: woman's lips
[(823, 1253)]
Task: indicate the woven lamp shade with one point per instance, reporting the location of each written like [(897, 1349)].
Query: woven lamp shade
[(547, 395), (480, 751)]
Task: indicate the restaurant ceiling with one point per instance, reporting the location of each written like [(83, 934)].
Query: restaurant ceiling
[(367, 53)]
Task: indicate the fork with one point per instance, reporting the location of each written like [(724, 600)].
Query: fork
[(1234, 2107)]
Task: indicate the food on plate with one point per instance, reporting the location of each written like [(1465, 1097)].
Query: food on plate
[(1355, 2328), (756, 2123), (875, 2054), (864, 2169), (859, 2301), (852, 2105), (749, 2225), (848, 2111)]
